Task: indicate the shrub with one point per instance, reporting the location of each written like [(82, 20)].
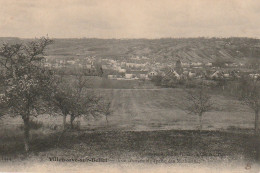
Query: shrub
[(157, 80), (33, 125)]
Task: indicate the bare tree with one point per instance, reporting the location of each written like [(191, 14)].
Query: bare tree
[(78, 102), (83, 102), (26, 82), (105, 109), (62, 98), (72, 98), (250, 95), (198, 102)]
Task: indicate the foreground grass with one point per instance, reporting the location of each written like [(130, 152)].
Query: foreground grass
[(180, 146)]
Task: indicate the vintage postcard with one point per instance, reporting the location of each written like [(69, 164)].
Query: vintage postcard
[(130, 86)]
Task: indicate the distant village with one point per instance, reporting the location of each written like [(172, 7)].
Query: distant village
[(143, 68)]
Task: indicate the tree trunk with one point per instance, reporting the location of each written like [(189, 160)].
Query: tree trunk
[(107, 120), (257, 136), (200, 121), (26, 133), (64, 121), (72, 117), (257, 147), (256, 122)]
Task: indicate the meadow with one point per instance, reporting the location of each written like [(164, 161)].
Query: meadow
[(156, 109), (144, 124)]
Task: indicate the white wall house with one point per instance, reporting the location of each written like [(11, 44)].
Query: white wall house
[(153, 73), (128, 75), (120, 70)]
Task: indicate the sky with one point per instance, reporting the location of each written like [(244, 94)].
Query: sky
[(129, 18)]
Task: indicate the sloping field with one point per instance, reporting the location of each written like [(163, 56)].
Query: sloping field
[(168, 49), (189, 49), (146, 124), (150, 109), (157, 109)]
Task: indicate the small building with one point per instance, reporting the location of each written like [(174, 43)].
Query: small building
[(209, 64), (254, 76), (153, 73), (128, 75), (216, 75), (88, 66), (71, 62), (120, 70), (111, 76), (191, 74), (172, 74)]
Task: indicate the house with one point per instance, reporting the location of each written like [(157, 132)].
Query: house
[(235, 74), (71, 62), (88, 66), (134, 65), (57, 65), (191, 74), (111, 76), (128, 75), (216, 75), (120, 70), (137, 74), (196, 64), (153, 73), (130, 64), (226, 75), (143, 76), (185, 73), (105, 67), (172, 74), (185, 64), (47, 65), (209, 64), (176, 75), (254, 76)]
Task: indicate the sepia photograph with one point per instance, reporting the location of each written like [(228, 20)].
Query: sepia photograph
[(122, 86)]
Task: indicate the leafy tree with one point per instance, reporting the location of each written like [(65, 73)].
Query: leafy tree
[(178, 67), (198, 102), (157, 80), (254, 63), (221, 62), (26, 83), (222, 82)]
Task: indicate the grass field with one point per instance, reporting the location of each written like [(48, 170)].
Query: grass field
[(145, 123), (158, 109), (166, 147)]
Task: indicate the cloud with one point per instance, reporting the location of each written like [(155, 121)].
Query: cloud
[(129, 18)]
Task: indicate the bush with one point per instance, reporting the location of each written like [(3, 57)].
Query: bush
[(191, 84), (33, 125), (52, 126), (157, 80)]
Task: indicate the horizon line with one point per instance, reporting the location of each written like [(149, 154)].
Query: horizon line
[(135, 38)]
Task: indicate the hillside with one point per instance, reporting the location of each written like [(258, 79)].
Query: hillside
[(160, 50)]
